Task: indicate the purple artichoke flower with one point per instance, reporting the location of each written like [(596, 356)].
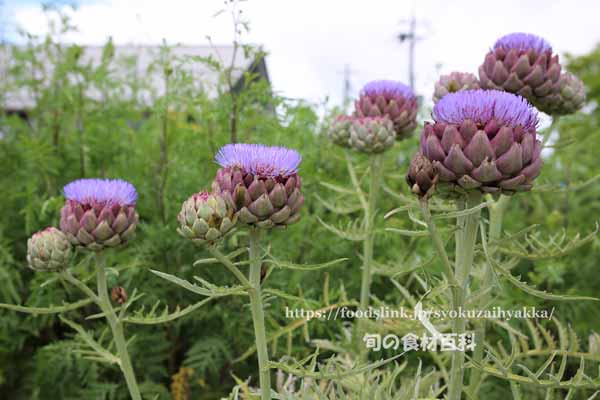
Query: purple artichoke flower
[(48, 250), (454, 82), (99, 213), (481, 140), (205, 217), (390, 99), (261, 183), (523, 64)]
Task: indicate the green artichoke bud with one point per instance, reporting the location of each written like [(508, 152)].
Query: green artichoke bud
[(339, 131), (205, 217), (372, 134), (48, 250), (454, 82), (569, 99)]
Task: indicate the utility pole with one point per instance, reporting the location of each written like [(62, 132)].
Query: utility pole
[(347, 85), (346, 98), (411, 36)]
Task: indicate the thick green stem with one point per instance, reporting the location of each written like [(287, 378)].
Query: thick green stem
[(229, 265), (466, 235), (374, 183), (495, 230), (258, 316), (369, 227), (354, 179), (116, 327), (439, 245)]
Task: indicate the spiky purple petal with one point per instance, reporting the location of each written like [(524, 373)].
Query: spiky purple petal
[(104, 191), (388, 89), (523, 42), (258, 159), (483, 106)]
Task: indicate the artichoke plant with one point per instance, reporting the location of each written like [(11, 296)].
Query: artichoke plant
[(523, 64), (48, 250), (454, 82), (479, 140), (261, 183), (568, 100), (390, 99), (205, 217), (339, 130), (99, 213), (372, 134)]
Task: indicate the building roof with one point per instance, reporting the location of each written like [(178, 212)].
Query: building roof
[(146, 57)]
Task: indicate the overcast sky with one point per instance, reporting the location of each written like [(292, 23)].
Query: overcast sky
[(310, 41)]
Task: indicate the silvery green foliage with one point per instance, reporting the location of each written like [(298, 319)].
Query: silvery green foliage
[(344, 380), (535, 357)]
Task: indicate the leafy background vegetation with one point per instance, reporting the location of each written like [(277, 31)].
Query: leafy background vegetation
[(165, 147)]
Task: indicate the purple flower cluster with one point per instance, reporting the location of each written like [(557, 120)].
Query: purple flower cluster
[(388, 89), (523, 42), (103, 191), (260, 160), (261, 183), (99, 213), (483, 106)]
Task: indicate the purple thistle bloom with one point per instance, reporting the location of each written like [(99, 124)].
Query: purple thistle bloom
[(482, 106), (261, 160), (101, 191), (388, 89), (523, 42)]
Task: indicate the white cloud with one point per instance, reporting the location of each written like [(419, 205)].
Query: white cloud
[(310, 41)]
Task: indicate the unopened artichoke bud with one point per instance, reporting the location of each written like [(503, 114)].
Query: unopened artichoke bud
[(389, 99), (99, 213), (422, 176), (118, 294), (454, 82), (206, 217), (483, 140), (523, 64), (48, 250), (339, 131), (261, 182), (372, 134), (569, 99)]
